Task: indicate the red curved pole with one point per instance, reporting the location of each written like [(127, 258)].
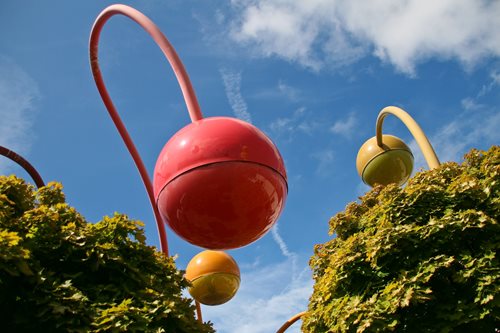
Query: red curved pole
[(182, 77), (24, 164)]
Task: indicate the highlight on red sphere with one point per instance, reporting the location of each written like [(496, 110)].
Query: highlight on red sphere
[(220, 183)]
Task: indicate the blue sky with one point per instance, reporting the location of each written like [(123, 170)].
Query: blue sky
[(313, 75)]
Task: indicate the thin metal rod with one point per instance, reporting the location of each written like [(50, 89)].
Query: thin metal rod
[(24, 164), (290, 322), (419, 135), (198, 311), (160, 39), (182, 77)]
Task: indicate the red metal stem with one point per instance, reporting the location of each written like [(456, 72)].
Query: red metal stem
[(23, 163), (182, 77)]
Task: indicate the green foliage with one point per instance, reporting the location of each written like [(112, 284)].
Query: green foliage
[(423, 258), (59, 273)]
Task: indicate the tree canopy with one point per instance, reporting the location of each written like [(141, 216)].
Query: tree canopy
[(59, 273), (420, 258)]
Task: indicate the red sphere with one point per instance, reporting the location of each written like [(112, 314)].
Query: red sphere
[(220, 183)]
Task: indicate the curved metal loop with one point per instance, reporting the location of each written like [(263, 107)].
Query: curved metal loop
[(160, 39), (419, 135), (182, 77), (24, 164), (290, 322)]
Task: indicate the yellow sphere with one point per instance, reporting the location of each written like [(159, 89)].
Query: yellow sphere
[(392, 163), (214, 277)]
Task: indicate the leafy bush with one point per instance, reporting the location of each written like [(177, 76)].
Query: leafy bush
[(59, 273), (423, 258)]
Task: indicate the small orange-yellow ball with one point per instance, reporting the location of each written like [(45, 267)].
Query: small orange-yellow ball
[(214, 277)]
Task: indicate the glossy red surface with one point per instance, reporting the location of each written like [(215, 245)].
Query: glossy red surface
[(220, 183), (211, 140), (223, 205)]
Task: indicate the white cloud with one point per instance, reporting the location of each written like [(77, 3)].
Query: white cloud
[(18, 92), (325, 160), (495, 77), (495, 81), (269, 295), (288, 91), (338, 32), (281, 91), (278, 30), (470, 104), (344, 127), (299, 121), (470, 129), (476, 126), (282, 124), (232, 85), (281, 243)]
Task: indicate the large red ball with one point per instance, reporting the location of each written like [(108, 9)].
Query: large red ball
[(220, 183)]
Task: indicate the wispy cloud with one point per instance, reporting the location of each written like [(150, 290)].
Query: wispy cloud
[(475, 126), (18, 93), (278, 29), (288, 91), (280, 91), (345, 127), (494, 82), (282, 245), (269, 295), (232, 85), (325, 159), (403, 33), (470, 104), (298, 121), (472, 128)]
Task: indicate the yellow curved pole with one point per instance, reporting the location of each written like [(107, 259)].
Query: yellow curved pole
[(290, 322), (422, 140)]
